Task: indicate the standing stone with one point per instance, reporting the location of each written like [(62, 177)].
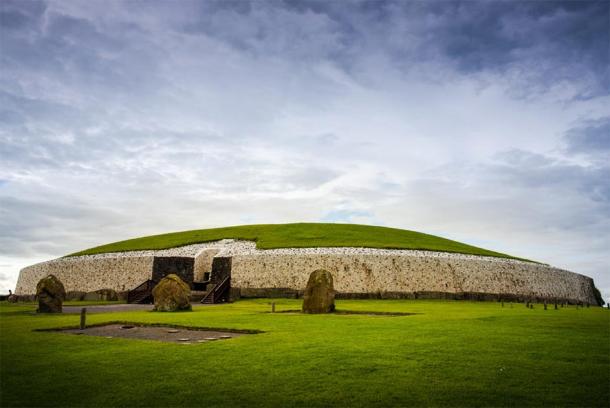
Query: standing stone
[(171, 294), (319, 296), (51, 294)]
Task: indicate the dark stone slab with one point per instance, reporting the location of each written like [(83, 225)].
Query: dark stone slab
[(75, 295), (183, 267), (268, 293), (101, 294), (221, 268)]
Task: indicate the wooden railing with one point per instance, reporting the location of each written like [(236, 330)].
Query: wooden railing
[(142, 293), (219, 292)]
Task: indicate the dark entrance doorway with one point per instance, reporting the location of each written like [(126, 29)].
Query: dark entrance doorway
[(182, 266), (219, 288)]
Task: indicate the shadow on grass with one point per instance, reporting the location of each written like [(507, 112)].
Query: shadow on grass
[(139, 324), (348, 312)]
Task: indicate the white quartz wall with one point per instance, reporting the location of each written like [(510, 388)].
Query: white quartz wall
[(355, 270), (203, 263), (361, 273), (87, 274)]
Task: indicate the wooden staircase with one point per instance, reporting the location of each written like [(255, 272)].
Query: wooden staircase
[(218, 293), (213, 294), (142, 293)]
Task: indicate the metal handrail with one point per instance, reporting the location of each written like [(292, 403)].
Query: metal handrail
[(144, 287), (217, 289)]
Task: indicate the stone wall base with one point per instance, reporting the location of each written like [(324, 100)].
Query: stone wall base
[(287, 293)]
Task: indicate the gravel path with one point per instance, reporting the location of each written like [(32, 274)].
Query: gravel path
[(107, 308), (123, 307), (166, 334)]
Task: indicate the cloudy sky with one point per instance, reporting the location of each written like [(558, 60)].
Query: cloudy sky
[(486, 122)]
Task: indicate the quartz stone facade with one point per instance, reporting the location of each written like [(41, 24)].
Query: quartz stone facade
[(360, 272)]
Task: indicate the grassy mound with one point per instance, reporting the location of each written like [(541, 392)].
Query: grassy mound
[(302, 235)]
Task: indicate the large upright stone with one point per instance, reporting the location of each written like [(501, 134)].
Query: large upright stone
[(319, 295), (171, 294), (50, 293)]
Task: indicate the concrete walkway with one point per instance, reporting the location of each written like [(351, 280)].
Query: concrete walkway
[(123, 307)]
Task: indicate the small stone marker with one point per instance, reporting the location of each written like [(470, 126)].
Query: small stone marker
[(272, 307), (210, 338), (225, 337), (173, 331), (83, 318), (555, 305), (545, 305), (319, 296), (184, 339)]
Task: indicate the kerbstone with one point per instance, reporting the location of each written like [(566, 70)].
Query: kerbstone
[(101, 294)]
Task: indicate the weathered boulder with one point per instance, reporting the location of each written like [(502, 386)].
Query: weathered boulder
[(51, 294), (171, 294), (319, 296), (101, 294)]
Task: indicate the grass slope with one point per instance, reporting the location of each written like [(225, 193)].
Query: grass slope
[(451, 354), (302, 235)]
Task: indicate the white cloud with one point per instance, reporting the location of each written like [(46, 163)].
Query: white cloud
[(116, 123)]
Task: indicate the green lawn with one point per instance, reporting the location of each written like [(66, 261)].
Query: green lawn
[(454, 353), (271, 236)]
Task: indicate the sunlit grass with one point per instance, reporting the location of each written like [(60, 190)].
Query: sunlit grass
[(302, 235), (452, 353)]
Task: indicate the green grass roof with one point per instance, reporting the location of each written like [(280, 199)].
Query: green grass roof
[(302, 235)]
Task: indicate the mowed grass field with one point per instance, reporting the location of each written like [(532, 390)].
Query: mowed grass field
[(300, 235), (452, 353)]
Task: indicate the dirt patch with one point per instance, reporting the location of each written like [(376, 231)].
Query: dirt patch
[(170, 334)]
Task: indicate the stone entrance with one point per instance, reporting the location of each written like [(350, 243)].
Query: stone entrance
[(181, 266)]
